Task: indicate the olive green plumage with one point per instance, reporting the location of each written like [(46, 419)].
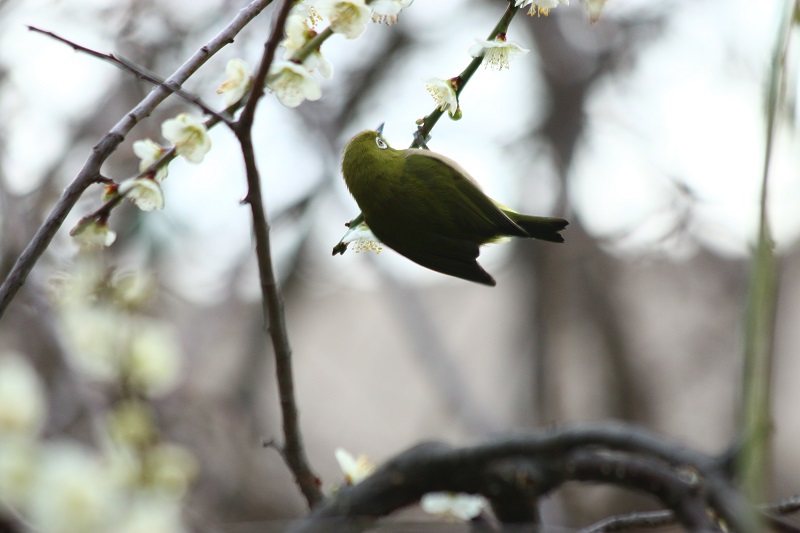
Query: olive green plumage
[(427, 208)]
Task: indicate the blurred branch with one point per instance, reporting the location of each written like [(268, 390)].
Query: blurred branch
[(755, 411), (690, 483), (292, 451), (90, 173)]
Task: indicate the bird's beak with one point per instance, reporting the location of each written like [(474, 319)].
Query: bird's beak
[(380, 129)]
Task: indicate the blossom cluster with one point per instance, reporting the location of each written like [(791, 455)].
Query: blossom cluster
[(292, 79), (496, 53), (132, 480)]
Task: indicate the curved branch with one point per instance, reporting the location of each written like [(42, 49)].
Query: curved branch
[(528, 466)]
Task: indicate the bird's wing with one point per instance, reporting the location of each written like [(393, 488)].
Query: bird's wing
[(453, 257), (476, 209)]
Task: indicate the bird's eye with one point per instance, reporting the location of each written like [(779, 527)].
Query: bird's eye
[(381, 143)]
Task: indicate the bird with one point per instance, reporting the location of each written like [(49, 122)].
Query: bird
[(427, 208)]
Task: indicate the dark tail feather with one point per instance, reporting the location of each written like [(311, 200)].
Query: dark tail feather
[(543, 228)]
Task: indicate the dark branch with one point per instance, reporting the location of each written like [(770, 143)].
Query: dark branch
[(514, 472), (293, 450)]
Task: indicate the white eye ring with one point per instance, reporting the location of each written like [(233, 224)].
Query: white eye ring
[(381, 143)]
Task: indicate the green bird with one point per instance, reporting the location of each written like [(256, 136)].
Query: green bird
[(429, 209)]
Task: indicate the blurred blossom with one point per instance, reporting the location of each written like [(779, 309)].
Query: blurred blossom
[(133, 290), (18, 461), (145, 193), (132, 423), (497, 53), (189, 135), (152, 513), (73, 492), (594, 8), (148, 151), (98, 337), (292, 83), (94, 235), (22, 399), (170, 469), (237, 83), (444, 94), (348, 17), (541, 7), (154, 363), (453, 505), (386, 11), (355, 470), (123, 463)]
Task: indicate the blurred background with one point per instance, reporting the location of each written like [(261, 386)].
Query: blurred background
[(646, 129)]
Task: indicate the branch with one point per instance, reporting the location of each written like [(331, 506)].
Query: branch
[(422, 134), (293, 450), (90, 173), (528, 466)]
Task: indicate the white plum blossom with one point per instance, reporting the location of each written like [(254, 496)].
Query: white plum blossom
[(237, 83), (308, 12), (189, 135), (94, 235), (540, 7), (149, 151), (354, 470), (444, 94), (22, 400), (498, 52), (145, 193), (348, 17), (298, 33), (386, 11), (453, 505), (363, 238), (292, 83)]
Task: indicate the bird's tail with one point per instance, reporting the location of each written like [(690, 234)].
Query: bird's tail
[(543, 228)]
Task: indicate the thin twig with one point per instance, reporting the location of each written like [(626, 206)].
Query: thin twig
[(423, 132), (90, 173), (640, 520), (138, 71), (272, 302)]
